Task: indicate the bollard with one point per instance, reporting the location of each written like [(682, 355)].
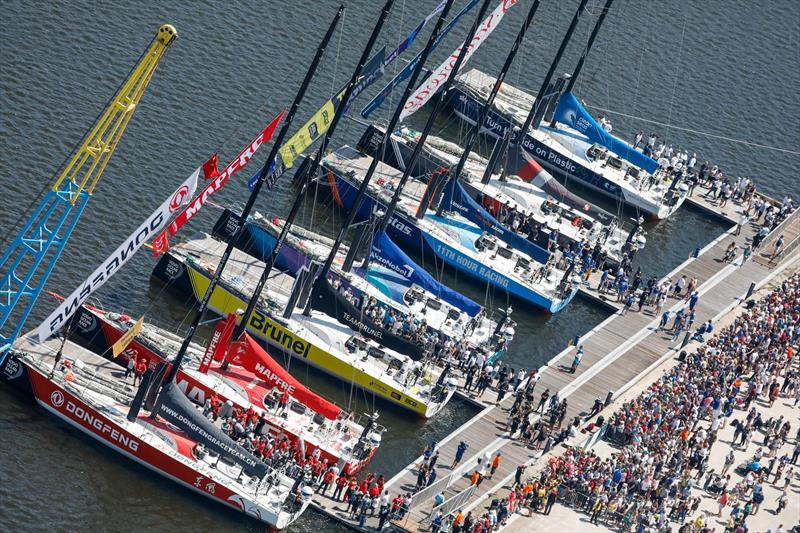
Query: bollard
[(751, 290), (609, 397), (686, 340)]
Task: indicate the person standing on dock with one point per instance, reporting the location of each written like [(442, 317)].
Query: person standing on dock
[(495, 464), (543, 400), (693, 300), (743, 220), (778, 248), (576, 360), (462, 447)]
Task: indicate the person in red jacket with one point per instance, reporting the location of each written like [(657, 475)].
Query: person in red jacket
[(341, 483), (327, 481), (141, 368)]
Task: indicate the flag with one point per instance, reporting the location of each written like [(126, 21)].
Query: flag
[(146, 230), (126, 339), (424, 92), (210, 170)]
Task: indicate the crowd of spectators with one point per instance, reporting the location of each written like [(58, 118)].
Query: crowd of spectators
[(667, 435)]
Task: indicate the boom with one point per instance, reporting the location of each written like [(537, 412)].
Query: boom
[(26, 265)]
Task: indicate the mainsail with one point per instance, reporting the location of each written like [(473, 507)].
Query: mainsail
[(394, 272), (570, 112), (248, 354)]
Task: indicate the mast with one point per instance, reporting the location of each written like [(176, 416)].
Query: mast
[(536, 107), (498, 150), (428, 126), (44, 235), (253, 195), (362, 190), (472, 136), (589, 44), (308, 174)]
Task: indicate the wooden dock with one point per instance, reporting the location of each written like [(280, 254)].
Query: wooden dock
[(616, 353)]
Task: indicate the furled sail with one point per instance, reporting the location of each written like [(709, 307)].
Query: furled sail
[(570, 112), (455, 198), (174, 407), (248, 354), (393, 272)]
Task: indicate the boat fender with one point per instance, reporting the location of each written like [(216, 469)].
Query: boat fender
[(576, 222)]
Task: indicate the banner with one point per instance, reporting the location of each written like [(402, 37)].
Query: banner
[(404, 74), (319, 123), (127, 337), (119, 257), (218, 343), (161, 243), (570, 112), (174, 407), (248, 354), (394, 272), (437, 78)]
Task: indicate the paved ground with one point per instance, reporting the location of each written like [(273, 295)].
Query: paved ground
[(564, 519)]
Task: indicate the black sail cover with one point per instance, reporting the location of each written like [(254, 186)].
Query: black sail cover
[(174, 407), (327, 300)]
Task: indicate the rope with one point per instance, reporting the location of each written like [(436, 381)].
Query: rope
[(698, 132), (677, 71)]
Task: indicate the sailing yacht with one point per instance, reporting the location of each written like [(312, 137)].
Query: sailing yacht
[(392, 279), (340, 437), (408, 379), (550, 220), (89, 393), (451, 238), (637, 181)]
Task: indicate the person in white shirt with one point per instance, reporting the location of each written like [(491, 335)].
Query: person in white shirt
[(743, 219)]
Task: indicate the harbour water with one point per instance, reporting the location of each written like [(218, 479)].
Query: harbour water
[(720, 67)]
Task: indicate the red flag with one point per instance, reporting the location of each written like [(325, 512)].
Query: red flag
[(210, 170), (160, 244), (218, 342)]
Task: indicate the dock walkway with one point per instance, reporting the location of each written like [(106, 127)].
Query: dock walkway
[(616, 353)]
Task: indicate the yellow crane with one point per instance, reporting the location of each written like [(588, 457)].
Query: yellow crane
[(29, 260)]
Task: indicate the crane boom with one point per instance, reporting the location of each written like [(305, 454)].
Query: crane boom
[(30, 258)]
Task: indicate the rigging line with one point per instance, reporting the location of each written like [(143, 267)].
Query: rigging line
[(646, 33), (677, 70), (698, 132)]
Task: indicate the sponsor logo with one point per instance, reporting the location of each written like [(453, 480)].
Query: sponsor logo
[(277, 335), (12, 368), (57, 398), (95, 423), (173, 269), (86, 322), (364, 328), (178, 198)]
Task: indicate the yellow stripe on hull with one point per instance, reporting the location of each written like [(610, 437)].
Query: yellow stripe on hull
[(278, 336)]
